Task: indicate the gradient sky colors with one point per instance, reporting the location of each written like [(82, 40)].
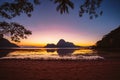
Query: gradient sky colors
[(48, 25)]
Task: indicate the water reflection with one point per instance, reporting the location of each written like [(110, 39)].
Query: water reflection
[(50, 50), (4, 52), (65, 52), (48, 53), (62, 52), (109, 54)]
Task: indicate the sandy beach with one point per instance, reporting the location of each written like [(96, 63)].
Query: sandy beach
[(59, 70)]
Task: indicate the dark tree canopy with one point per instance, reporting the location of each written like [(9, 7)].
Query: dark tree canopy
[(10, 10), (15, 8), (63, 5), (111, 40), (15, 30), (89, 6)]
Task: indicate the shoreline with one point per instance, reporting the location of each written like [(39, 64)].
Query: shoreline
[(27, 69)]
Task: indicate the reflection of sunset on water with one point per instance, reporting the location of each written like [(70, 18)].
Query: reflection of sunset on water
[(53, 53), (84, 51)]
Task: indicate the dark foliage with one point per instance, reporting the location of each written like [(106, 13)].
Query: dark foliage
[(90, 7), (16, 8), (10, 10), (111, 40), (15, 30), (63, 5)]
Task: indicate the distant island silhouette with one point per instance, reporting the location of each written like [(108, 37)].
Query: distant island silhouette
[(111, 40), (61, 44), (4, 43)]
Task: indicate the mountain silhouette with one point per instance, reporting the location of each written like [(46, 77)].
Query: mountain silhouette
[(5, 43), (61, 44), (111, 40), (50, 46)]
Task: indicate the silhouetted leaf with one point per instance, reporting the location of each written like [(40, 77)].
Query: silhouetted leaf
[(96, 15), (37, 2), (101, 12), (91, 17)]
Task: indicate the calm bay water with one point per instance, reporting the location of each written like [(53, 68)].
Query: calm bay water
[(49, 53)]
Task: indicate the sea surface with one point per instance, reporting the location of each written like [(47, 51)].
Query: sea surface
[(50, 53)]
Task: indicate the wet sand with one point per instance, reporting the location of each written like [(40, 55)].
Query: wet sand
[(59, 70)]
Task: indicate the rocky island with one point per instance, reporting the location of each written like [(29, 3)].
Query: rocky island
[(61, 44)]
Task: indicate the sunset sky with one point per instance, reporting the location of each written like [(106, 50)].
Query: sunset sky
[(48, 25)]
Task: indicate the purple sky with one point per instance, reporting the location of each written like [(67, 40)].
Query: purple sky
[(48, 25)]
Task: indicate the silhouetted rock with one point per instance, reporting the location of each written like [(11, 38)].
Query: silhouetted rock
[(61, 44), (50, 46), (5, 43), (111, 40)]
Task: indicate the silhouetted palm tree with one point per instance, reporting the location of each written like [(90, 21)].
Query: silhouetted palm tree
[(63, 5)]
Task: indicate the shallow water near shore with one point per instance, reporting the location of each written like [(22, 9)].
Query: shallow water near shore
[(49, 53)]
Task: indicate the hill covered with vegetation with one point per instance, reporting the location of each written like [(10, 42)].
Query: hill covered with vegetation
[(111, 40), (5, 43)]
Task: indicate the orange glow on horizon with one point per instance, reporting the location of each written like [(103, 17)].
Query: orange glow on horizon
[(43, 36), (42, 44)]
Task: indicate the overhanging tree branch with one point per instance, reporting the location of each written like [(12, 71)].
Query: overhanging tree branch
[(15, 30)]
